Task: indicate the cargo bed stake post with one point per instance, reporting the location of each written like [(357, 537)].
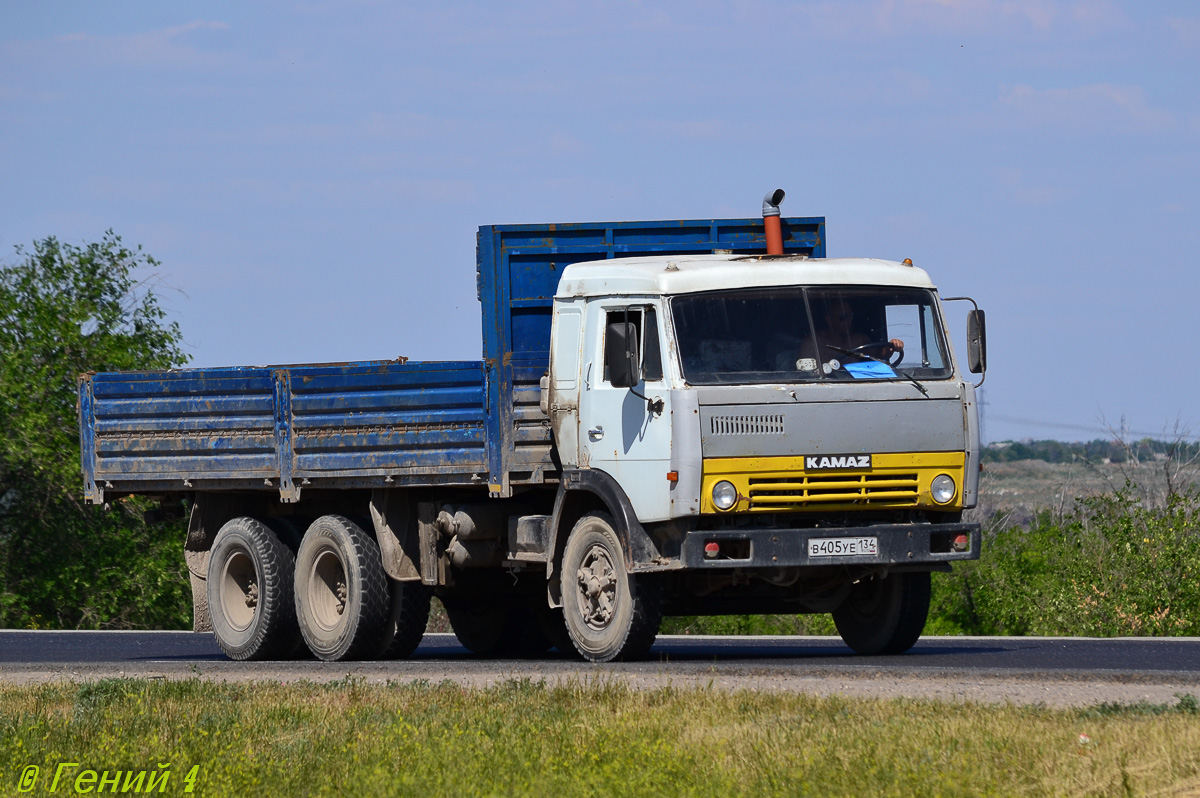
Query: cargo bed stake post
[(771, 224)]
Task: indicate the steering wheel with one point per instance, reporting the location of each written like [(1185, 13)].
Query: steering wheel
[(881, 346)]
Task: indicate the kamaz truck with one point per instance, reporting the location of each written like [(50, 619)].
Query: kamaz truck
[(669, 418)]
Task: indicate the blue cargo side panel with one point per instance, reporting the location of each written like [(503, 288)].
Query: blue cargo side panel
[(387, 419), (181, 425)]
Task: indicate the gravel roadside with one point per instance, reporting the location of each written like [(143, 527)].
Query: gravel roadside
[(1053, 690)]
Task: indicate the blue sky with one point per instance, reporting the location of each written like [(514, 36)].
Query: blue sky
[(311, 175)]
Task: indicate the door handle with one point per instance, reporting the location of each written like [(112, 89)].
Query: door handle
[(596, 433)]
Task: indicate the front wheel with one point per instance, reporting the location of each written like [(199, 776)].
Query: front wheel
[(342, 598), (884, 616), (609, 613)]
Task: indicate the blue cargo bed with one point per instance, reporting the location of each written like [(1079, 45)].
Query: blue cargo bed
[(384, 424)]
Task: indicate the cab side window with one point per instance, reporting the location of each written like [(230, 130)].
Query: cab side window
[(645, 322)]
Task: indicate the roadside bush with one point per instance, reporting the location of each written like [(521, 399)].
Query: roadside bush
[(749, 625), (80, 567), (66, 310), (1110, 567)]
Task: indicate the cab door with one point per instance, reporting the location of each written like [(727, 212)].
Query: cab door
[(619, 431)]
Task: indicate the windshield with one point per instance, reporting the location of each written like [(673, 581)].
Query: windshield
[(805, 334)]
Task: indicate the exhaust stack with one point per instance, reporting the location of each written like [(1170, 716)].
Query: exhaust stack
[(771, 222)]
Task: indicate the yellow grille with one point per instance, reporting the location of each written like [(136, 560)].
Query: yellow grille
[(781, 484), (790, 492)]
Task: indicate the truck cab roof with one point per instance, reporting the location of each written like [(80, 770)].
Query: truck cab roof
[(685, 274)]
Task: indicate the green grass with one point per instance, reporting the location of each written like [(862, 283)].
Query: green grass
[(523, 738)]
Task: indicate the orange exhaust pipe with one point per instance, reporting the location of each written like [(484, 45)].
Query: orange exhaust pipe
[(771, 224)]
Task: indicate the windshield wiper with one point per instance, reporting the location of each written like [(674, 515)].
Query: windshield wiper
[(895, 371)]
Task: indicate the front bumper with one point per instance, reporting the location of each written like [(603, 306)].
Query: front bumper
[(898, 544)]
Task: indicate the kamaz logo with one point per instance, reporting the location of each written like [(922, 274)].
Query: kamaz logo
[(837, 461)]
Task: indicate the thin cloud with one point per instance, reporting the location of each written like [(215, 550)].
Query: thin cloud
[(1014, 185), (1186, 30), (965, 17), (676, 129), (1102, 106), (410, 126), (889, 87), (564, 144), (351, 191), (161, 47)]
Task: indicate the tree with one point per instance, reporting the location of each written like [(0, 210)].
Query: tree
[(65, 310)]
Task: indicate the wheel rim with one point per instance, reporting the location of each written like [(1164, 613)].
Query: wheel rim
[(328, 590), (596, 588), (239, 590)]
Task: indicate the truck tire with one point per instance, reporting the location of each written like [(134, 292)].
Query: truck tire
[(554, 627), (609, 613), (342, 599), (407, 621), (249, 587), (884, 616), (497, 629)]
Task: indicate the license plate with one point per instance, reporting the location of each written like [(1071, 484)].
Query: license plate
[(842, 547)]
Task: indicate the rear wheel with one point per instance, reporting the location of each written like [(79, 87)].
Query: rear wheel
[(500, 628), (408, 619), (250, 591), (342, 598), (608, 612), (884, 616)]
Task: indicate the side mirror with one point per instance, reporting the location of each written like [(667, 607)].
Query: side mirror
[(976, 342), (621, 355)]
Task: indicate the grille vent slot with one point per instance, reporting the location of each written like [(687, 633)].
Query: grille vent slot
[(791, 491), (746, 425)]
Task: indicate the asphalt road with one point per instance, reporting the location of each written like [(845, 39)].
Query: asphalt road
[(1140, 659)]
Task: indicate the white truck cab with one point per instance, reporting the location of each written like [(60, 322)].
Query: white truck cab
[(773, 421)]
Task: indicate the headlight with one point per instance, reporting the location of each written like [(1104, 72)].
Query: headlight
[(724, 495), (942, 488)]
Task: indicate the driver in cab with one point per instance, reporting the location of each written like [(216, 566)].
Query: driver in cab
[(838, 338)]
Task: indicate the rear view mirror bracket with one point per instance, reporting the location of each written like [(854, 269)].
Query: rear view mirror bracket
[(976, 337)]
